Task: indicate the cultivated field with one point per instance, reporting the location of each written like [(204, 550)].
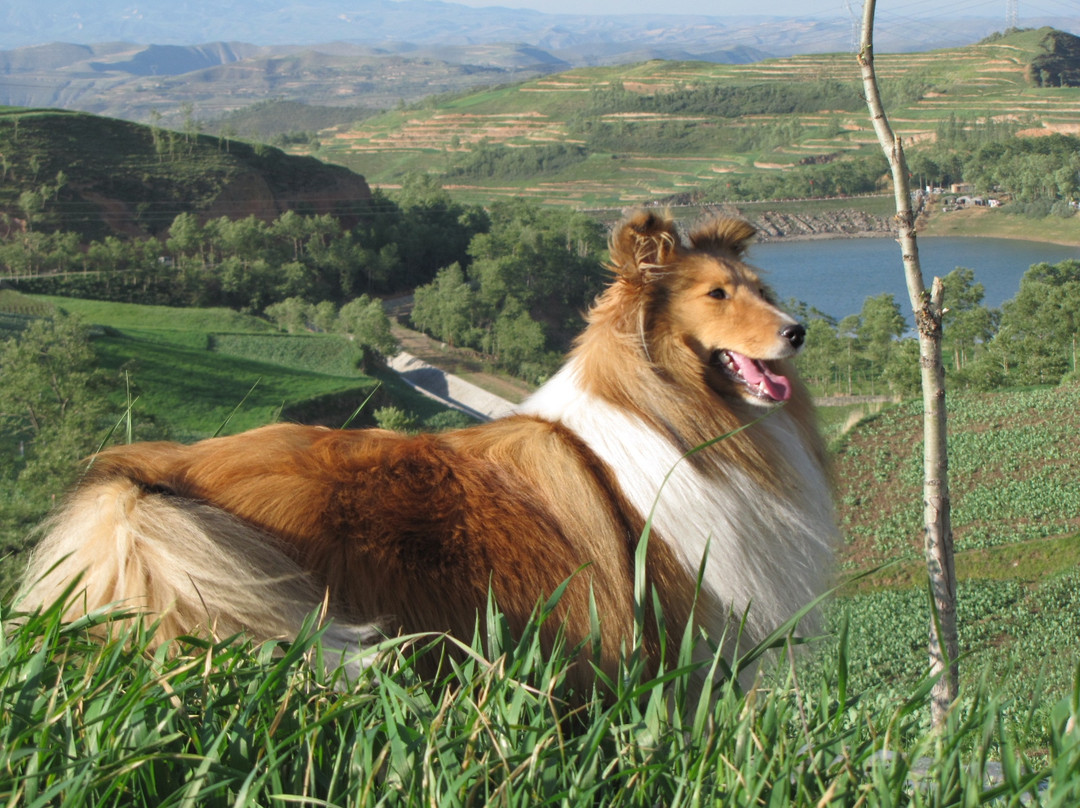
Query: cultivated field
[(670, 152)]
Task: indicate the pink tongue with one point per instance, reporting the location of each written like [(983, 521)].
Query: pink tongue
[(760, 378)]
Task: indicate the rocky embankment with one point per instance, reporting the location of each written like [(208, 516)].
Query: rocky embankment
[(774, 225)]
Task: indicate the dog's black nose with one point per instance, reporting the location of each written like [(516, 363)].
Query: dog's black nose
[(795, 334)]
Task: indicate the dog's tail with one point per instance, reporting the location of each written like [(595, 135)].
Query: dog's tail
[(187, 565)]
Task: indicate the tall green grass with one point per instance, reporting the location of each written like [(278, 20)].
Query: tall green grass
[(84, 723)]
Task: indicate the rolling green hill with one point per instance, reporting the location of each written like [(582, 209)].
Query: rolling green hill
[(589, 137), (99, 176), (614, 136), (194, 369)]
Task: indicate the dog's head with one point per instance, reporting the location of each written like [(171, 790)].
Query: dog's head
[(699, 303)]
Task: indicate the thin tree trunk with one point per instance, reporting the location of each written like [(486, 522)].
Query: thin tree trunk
[(944, 647)]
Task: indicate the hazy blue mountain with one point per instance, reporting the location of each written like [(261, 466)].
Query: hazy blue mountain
[(150, 59), (575, 38)]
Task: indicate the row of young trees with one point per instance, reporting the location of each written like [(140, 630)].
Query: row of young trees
[(363, 320), (1032, 339), (250, 263), (512, 282)]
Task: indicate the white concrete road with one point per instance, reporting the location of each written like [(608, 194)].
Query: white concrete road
[(449, 389)]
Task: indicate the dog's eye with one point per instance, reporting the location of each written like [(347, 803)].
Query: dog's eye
[(718, 293)]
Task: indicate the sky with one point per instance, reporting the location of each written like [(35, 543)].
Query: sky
[(719, 8), (794, 8)]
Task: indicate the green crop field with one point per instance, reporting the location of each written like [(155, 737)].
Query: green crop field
[(1014, 462), (192, 368)]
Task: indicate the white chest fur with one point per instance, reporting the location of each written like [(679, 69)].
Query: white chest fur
[(766, 551)]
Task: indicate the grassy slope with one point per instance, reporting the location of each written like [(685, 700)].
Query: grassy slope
[(192, 368), (970, 83), (192, 389), (136, 177), (87, 726), (1000, 223)]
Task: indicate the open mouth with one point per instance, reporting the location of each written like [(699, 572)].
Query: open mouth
[(752, 374)]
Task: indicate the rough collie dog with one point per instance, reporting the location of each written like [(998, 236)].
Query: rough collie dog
[(409, 533)]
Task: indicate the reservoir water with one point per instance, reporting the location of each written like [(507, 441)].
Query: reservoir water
[(837, 275)]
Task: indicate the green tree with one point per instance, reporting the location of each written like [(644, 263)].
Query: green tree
[(32, 203), (519, 339), (532, 274), (547, 259), (445, 307), (967, 323), (847, 330), (324, 316), (434, 231), (823, 353), (1039, 327), (186, 237), (901, 371), (291, 314), (880, 324), (52, 398), (364, 320)]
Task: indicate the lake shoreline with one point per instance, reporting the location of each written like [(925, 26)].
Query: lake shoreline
[(772, 239), (976, 223)]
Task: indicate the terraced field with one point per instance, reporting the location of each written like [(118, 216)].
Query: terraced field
[(984, 82)]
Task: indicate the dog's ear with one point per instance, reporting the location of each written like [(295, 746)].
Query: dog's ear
[(724, 235), (642, 243)]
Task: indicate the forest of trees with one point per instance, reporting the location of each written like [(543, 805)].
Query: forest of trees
[(249, 264), (1040, 172), (862, 175), (1030, 340), (730, 100), (520, 297), (491, 160), (511, 283)]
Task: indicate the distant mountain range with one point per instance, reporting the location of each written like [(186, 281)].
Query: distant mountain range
[(576, 39), (209, 58)]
